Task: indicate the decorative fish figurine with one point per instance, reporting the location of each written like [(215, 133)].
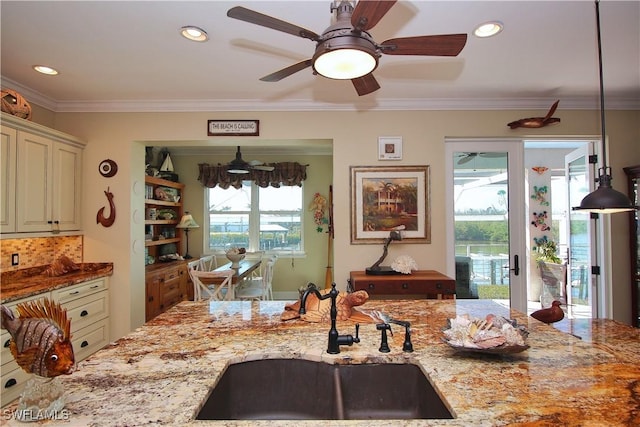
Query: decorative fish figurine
[(537, 122), (40, 338)]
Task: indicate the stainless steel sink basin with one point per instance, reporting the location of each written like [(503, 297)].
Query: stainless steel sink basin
[(290, 389)]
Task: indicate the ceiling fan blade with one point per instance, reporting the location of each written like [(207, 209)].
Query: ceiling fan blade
[(465, 159), (263, 168), (442, 45), (286, 72), (366, 84), (253, 17), (368, 13)]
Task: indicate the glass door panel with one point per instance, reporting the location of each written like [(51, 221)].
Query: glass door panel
[(487, 208), (581, 294)]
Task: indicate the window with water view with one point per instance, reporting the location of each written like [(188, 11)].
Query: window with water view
[(266, 219)]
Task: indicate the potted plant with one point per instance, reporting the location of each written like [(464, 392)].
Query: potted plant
[(547, 251), (552, 271)]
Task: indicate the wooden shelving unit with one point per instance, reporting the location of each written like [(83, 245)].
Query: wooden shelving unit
[(162, 231)]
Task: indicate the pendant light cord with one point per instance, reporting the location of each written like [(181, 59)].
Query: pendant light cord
[(602, 121)]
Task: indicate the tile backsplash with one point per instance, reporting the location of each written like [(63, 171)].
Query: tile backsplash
[(37, 251)]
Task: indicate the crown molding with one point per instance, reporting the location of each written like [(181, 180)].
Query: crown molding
[(192, 105)]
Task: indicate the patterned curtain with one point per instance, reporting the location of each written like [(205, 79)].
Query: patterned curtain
[(283, 173)]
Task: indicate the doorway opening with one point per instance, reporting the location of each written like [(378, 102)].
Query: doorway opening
[(515, 238)]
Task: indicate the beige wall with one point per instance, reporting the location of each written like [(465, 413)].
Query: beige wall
[(354, 135)]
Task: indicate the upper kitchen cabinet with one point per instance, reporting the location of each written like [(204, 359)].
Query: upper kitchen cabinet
[(8, 158), (47, 181)]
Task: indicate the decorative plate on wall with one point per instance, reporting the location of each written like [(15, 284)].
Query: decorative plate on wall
[(108, 168)]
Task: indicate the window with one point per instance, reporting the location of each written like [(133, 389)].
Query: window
[(268, 219)]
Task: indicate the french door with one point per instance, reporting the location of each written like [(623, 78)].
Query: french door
[(581, 236), (486, 238)]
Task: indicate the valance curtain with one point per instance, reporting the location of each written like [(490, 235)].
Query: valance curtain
[(284, 173)]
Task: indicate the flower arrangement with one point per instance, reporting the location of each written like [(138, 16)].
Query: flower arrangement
[(319, 205), (547, 251)]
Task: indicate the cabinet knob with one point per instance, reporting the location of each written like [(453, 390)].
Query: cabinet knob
[(84, 313), (7, 343), (371, 286), (405, 285), (10, 383), (438, 285), (84, 344)]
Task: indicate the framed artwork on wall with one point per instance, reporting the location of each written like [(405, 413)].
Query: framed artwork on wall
[(390, 198), (390, 148)]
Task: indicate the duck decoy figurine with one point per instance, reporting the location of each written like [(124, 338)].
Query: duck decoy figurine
[(549, 315), (537, 122)]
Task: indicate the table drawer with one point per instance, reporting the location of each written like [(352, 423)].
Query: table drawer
[(78, 291), (405, 287), (87, 310), (90, 339)]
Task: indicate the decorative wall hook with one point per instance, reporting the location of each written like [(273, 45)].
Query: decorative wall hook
[(100, 218)]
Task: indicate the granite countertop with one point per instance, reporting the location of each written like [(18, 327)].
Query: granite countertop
[(162, 372), (31, 281)]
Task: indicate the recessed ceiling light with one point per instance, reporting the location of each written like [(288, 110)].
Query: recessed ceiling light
[(488, 29), (194, 33), (46, 70)]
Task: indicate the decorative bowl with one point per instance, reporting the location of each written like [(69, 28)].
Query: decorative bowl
[(491, 335), (235, 259)]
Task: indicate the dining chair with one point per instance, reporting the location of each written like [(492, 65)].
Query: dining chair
[(207, 263), (255, 256), (210, 291), (257, 289)]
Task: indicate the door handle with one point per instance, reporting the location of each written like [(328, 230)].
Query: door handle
[(516, 265)]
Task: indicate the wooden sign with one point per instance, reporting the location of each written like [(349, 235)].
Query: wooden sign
[(233, 127)]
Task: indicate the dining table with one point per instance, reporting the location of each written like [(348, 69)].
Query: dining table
[(245, 269)]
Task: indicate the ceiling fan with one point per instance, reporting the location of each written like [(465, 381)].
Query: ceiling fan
[(346, 50), (239, 166), (467, 157)]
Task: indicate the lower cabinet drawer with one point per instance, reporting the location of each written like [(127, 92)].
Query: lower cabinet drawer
[(88, 340), (87, 310), (80, 290), (405, 288), (13, 381)]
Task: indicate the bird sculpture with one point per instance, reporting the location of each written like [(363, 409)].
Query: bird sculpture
[(549, 315), (537, 122)]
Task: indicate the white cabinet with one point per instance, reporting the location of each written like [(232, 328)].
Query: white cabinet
[(87, 306), (8, 158), (47, 179)]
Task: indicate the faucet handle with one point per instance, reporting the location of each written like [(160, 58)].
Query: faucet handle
[(384, 345), (357, 338)]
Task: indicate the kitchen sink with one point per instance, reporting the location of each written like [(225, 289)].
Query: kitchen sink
[(290, 389)]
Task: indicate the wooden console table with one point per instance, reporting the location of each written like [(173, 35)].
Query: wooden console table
[(428, 284)]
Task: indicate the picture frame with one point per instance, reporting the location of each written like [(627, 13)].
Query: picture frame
[(390, 148), (390, 198)]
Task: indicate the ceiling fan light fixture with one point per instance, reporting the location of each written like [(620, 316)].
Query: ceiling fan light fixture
[(488, 29), (345, 57), (345, 64), (237, 165), (194, 33)]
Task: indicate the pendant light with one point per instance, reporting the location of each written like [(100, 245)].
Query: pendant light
[(605, 199)]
